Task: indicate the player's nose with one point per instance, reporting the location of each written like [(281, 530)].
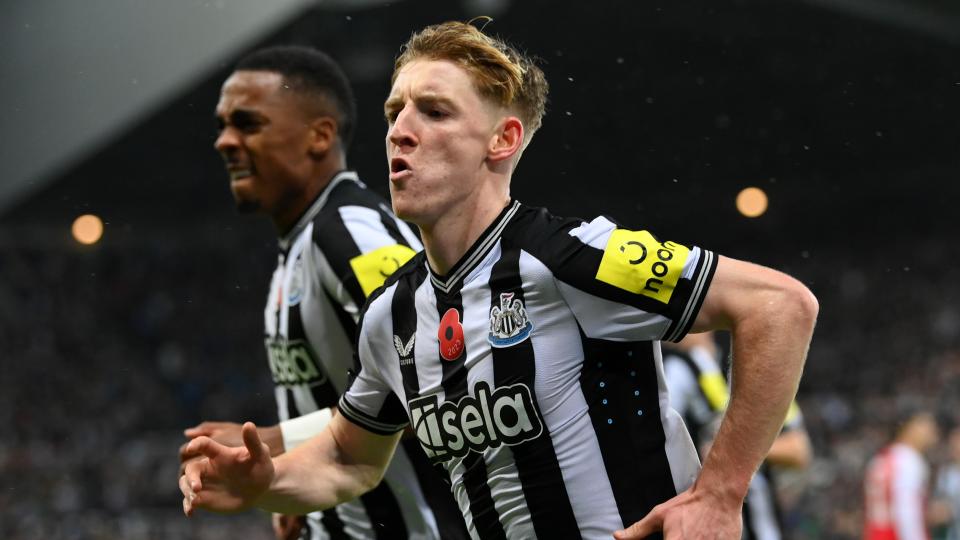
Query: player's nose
[(226, 140), (401, 131)]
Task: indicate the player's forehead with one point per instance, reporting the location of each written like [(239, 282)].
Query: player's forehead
[(249, 90), (428, 77)]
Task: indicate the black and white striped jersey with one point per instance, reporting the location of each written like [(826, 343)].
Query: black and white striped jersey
[(699, 393), (342, 248), (762, 515), (532, 372)]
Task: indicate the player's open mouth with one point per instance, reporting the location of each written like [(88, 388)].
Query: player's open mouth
[(399, 168), (237, 174), (398, 165)]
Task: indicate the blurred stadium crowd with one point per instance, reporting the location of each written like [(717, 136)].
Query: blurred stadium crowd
[(108, 352), (120, 347)]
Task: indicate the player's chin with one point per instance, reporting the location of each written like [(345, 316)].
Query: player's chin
[(244, 198), (403, 204), (413, 213), (246, 205)]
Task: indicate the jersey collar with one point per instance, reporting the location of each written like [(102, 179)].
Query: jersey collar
[(314, 208), (477, 252)]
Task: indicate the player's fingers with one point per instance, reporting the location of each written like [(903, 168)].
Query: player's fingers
[(205, 446), (285, 527), (278, 523), (185, 453), (650, 524), (203, 428), (291, 527), (251, 439), (185, 462), (188, 494), (192, 480)]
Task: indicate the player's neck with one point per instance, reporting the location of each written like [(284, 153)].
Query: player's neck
[(448, 239), (319, 178)]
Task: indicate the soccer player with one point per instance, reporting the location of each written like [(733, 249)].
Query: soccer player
[(286, 117), (699, 393), (897, 480), (948, 487), (534, 375)]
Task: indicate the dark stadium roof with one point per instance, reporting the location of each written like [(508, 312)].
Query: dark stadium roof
[(659, 114)]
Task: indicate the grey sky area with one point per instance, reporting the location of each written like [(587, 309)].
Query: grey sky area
[(75, 73)]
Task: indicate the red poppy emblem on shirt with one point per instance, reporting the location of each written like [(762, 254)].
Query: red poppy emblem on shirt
[(450, 335)]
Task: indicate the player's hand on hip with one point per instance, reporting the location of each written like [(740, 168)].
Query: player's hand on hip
[(226, 479), (690, 515), (288, 527)]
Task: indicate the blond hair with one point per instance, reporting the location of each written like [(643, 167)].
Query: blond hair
[(500, 72)]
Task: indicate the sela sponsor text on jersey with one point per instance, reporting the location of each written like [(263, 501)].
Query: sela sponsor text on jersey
[(476, 422)]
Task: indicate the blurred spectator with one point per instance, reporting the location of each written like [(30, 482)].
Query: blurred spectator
[(947, 493), (120, 345), (897, 481)]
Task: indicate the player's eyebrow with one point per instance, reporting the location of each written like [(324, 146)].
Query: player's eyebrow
[(396, 103), (241, 117), (432, 98), (392, 104)]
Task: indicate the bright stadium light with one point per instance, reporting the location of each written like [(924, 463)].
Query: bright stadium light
[(752, 202), (87, 229)]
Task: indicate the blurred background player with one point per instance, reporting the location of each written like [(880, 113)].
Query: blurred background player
[(286, 117), (699, 392), (896, 481), (947, 491)]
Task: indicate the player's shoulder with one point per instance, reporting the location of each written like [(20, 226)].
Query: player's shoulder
[(353, 217), (567, 244), (408, 278), (538, 227), (350, 193)]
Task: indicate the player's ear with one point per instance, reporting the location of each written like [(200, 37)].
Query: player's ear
[(323, 135), (507, 140)]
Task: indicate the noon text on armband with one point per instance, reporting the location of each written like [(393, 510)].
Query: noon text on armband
[(484, 420)]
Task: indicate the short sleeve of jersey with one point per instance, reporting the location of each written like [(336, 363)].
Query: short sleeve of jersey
[(369, 401), (361, 247), (628, 285)]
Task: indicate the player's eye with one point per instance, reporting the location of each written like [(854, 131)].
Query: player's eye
[(246, 124)]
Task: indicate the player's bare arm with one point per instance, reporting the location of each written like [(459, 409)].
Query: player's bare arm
[(279, 437), (771, 317), (791, 449), (339, 464)]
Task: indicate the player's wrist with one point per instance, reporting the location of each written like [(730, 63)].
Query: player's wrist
[(272, 436), (296, 431), (724, 487), (269, 498)]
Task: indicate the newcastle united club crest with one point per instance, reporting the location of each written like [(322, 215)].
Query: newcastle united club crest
[(509, 323)]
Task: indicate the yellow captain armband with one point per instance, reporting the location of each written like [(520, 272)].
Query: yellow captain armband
[(792, 413), (714, 387), (374, 267), (636, 262)]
